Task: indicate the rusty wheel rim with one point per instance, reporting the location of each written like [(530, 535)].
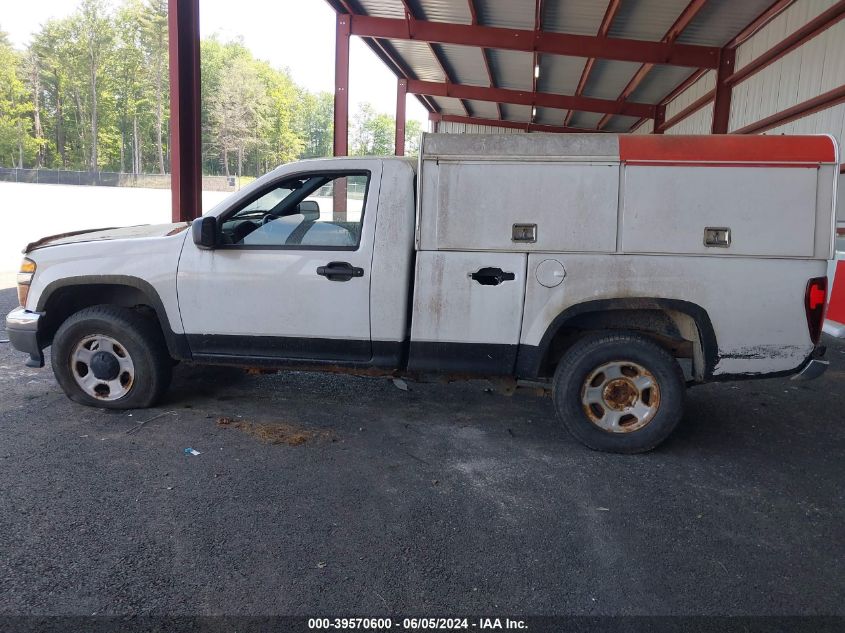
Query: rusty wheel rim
[(620, 397), (102, 367)]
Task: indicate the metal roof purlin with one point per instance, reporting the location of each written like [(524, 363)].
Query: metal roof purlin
[(687, 16), (541, 99), (485, 56)]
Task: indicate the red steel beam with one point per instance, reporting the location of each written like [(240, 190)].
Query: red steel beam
[(485, 55), (800, 110), (525, 127), (723, 92), (536, 41), (341, 86), (604, 29), (535, 65), (543, 99), (687, 16), (401, 93), (807, 32), (185, 152)]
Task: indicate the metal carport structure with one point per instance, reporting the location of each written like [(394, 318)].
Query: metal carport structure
[(562, 66)]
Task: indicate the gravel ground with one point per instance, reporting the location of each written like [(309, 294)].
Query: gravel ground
[(336, 495)]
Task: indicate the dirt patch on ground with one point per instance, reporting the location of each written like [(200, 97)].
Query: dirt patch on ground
[(275, 432)]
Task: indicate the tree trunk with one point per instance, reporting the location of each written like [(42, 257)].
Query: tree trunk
[(159, 114), (240, 161), (136, 147), (39, 131), (94, 121), (60, 127), (226, 162)]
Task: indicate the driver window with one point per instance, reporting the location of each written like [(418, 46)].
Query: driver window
[(319, 211)]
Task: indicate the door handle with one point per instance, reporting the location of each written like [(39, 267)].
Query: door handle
[(492, 276), (339, 271)]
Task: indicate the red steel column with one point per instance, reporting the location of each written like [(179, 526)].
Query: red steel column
[(722, 102), (659, 119), (401, 93), (341, 87), (185, 149)]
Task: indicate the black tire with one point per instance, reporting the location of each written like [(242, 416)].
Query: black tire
[(582, 362), (142, 340)]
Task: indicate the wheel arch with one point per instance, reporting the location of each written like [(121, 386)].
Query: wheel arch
[(64, 297), (532, 361)]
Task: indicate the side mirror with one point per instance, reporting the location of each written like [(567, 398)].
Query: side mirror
[(204, 232)]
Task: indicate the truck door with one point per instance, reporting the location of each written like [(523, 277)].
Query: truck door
[(290, 276), (467, 312)]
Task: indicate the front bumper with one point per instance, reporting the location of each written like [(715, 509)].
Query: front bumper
[(814, 366), (22, 328)]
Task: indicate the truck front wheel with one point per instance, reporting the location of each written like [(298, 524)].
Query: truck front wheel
[(618, 392), (111, 357)]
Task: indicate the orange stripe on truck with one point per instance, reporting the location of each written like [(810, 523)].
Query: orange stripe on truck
[(727, 149)]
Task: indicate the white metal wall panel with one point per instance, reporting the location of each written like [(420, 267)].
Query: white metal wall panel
[(449, 127), (816, 67), (697, 90), (645, 128), (700, 122)]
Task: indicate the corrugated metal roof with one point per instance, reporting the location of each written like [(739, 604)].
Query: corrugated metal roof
[(609, 78), (718, 22), (511, 14), (483, 109), (519, 113), (466, 64), (383, 8), (560, 74), (620, 123), (449, 105), (512, 69), (646, 19), (660, 82), (580, 17), (419, 58), (714, 25), (550, 116), (443, 11)]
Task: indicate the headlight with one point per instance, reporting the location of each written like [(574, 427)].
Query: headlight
[(25, 276)]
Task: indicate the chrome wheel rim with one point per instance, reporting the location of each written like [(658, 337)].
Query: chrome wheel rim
[(102, 367), (620, 397)]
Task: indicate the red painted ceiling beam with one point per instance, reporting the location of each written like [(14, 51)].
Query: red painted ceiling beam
[(485, 55), (683, 21), (537, 41), (604, 29), (542, 99), (516, 125)]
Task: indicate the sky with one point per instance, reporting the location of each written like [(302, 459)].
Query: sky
[(296, 34)]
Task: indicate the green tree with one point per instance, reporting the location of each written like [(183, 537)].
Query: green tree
[(373, 134), (16, 142)]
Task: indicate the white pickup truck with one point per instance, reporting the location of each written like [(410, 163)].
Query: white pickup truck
[(616, 270)]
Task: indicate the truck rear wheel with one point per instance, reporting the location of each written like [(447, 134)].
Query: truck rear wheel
[(618, 392), (111, 357)]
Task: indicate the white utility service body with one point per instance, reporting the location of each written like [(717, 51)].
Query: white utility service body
[(493, 256)]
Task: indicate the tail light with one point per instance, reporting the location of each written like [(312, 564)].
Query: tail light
[(815, 302)]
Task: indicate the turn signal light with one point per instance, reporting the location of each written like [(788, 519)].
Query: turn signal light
[(27, 272), (815, 302)]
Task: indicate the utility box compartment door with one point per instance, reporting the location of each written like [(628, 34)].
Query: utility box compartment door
[(767, 211), (475, 205), (467, 312)]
